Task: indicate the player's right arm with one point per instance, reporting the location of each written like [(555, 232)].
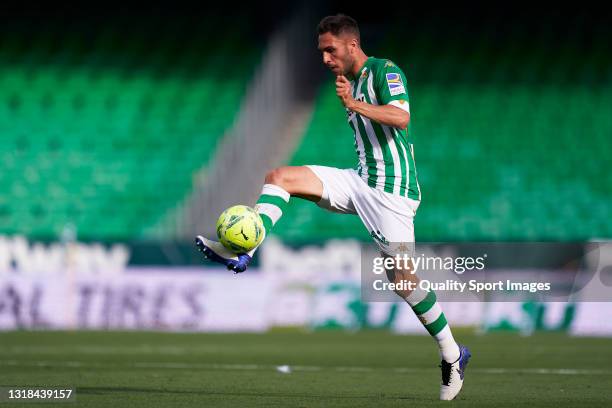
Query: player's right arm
[(390, 86), (386, 114)]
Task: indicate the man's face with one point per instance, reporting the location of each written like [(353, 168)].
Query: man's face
[(337, 52)]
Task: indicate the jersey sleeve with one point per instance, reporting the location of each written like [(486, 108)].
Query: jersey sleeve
[(391, 86)]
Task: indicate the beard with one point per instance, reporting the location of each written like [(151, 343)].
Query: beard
[(348, 66)]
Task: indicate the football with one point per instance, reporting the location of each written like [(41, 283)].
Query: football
[(240, 228)]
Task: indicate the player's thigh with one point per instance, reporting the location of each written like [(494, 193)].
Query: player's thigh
[(298, 181), (389, 219), (338, 188)]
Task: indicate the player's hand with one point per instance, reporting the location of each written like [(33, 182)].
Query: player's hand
[(343, 90)]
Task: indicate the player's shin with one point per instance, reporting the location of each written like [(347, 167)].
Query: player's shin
[(270, 206), (428, 310)]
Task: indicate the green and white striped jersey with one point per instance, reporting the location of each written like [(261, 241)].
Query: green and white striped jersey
[(386, 156)]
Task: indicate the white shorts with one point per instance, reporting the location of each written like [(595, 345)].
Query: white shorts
[(387, 217)]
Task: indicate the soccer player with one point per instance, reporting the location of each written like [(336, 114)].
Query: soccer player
[(383, 190)]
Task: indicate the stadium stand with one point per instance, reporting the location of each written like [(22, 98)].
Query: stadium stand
[(103, 129), (105, 126)]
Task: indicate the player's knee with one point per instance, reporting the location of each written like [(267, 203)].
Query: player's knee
[(401, 277), (277, 176)]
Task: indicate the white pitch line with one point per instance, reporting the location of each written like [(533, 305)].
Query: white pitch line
[(138, 349), (262, 367)]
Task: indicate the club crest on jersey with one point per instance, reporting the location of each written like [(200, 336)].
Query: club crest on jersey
[(395, 84)]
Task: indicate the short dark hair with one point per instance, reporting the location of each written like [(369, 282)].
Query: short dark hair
[(338, 24)]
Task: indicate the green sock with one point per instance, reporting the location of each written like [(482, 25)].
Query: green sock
[(271, 204), (428, 310)]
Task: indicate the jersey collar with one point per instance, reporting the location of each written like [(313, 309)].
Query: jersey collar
[(365, 67)]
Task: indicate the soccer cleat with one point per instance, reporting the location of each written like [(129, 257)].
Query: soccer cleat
[(452, 374), (216, 252)]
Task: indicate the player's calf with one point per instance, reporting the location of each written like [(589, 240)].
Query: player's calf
[(425, 305), (428, 310)]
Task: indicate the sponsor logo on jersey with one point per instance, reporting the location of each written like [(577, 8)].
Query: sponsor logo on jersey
[(349, 113), (395, 84), (389, 64)]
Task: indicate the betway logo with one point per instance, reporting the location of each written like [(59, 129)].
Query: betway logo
[(20, 256), (350, 115)]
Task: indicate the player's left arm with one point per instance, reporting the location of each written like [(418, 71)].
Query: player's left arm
[(387, 114)]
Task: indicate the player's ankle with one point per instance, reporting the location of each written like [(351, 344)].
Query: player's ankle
[(449, 351)]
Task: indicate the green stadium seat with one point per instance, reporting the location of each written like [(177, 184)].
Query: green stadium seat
[(108, 138)]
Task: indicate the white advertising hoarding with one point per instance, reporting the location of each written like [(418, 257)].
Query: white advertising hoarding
[(79, 286), (139, 298)]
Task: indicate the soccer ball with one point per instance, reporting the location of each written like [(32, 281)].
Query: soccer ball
[(240, 229)]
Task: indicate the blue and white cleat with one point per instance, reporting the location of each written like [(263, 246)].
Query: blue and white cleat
[(452, 374), (216, 252)]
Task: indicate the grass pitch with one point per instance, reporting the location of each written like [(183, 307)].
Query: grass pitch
[(331, 369)]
